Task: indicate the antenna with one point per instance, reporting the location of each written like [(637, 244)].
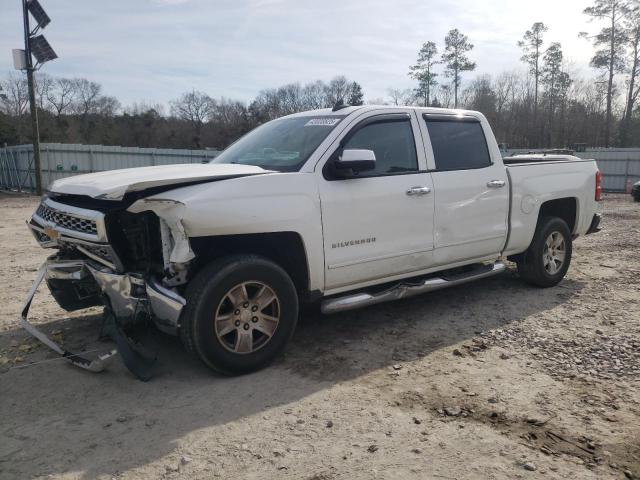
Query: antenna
[(339, 105)]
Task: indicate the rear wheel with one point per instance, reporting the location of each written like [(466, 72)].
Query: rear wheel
[(547, 259), (241, 312)]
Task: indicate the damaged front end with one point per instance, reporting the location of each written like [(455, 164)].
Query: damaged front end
[(133, 263)]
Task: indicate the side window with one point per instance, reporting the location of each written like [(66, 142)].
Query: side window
[(393, 143), (458, 145)]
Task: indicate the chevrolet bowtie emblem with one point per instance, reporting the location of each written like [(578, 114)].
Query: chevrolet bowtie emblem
[(52, 233)]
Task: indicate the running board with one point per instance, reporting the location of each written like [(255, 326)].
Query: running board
[(405, 290)]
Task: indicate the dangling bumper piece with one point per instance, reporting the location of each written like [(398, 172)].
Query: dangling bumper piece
[(78, 284), (93, 365)]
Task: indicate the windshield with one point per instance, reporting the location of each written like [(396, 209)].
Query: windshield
[(283, 144)]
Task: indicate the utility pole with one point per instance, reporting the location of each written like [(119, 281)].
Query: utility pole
[(38, 47), (32, 100)]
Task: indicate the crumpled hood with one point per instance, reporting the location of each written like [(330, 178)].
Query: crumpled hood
[(114, 184)]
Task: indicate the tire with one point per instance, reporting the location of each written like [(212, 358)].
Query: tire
[(636, 197), (540, 265), (221, 315)]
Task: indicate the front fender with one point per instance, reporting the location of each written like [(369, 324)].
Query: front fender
[(284, 202)]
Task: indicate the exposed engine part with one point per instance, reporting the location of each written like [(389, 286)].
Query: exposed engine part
[(136, 239), (175, 274), (170, 211)]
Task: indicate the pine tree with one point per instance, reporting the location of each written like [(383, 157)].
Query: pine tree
[(531, 44), (611, 40), (423, 71), (356, 97), (456, 60)]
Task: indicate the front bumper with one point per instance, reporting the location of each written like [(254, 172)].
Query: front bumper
[(125, 294), (94, 365), (130, 293)]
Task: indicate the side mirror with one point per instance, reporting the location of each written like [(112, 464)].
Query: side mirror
[(355, 160)]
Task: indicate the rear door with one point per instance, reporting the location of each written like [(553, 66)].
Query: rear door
[(470, 186), (379, 224)]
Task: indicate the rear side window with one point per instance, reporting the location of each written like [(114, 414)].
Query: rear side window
[(393, 143), (458, 144)]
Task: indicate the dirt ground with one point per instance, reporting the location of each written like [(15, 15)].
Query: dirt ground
[(489, 380)]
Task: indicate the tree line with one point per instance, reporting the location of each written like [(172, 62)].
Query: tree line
[(77, 111), (546, 104)]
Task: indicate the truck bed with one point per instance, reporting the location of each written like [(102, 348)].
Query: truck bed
[(535, 179), (541, 158)]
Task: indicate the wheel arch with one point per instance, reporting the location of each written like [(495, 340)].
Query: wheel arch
[(287, 249), (566, 208)]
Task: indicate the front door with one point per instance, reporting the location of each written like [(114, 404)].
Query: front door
[(381, 223), (472, 194)]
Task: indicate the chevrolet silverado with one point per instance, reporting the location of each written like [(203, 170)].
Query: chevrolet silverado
[(343, 207)]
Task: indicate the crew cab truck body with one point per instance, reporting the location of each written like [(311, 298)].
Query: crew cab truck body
[(346, 207)]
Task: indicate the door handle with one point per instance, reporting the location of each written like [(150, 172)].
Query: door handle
[(496, 184), (418, 191)]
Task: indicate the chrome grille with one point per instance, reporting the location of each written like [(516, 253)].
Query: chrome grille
[(65, 220)]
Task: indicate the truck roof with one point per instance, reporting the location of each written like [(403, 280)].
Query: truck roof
[(344, 111)]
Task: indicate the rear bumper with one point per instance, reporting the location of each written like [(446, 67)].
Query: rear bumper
[(595, 224)]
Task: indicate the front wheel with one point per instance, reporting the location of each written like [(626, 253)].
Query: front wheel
[(241, 311), (547, 259)]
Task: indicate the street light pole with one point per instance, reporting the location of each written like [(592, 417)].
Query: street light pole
[(32, 100)]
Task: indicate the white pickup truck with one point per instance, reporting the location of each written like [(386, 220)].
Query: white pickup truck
[(345, 207)]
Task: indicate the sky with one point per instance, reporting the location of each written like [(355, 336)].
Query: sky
[(153, 50)]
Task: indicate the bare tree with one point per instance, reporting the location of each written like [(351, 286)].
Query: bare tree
[(106, 106), (43, 83), (60, 95), (16, 95), (455, 59), (87, 95), (194, 107), (338, 89), (443, 96), (401, 96), (313, 95), (632, 27), (290, 98), (423, 72), (610, 41)]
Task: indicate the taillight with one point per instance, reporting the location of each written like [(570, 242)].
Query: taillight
[(598, 185)]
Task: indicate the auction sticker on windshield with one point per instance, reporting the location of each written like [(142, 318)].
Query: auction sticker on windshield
[(322, 122)]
